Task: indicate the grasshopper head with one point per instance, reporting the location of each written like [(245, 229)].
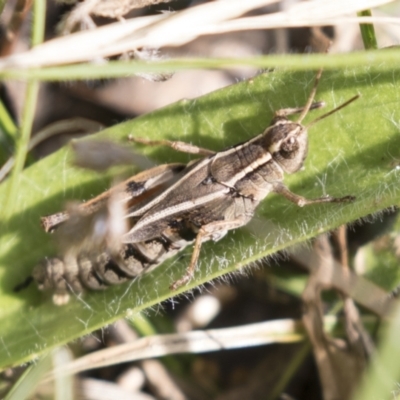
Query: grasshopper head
[(288, 144)]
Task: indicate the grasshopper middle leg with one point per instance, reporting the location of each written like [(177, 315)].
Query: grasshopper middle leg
[(206, 232)]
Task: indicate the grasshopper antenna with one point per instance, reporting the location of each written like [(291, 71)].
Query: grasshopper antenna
[(309, 105), (346, 103), (311, 97)]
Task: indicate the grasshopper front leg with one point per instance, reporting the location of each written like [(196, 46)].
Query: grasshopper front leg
[(176, 145)]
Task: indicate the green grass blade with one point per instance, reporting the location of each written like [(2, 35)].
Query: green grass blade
[(383, 374), (26, 384), (39, 22)]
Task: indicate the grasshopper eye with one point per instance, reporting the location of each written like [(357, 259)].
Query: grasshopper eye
[(292, 152), (289, 152), (289, 147)]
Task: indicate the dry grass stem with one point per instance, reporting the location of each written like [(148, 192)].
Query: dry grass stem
[(182, 27)]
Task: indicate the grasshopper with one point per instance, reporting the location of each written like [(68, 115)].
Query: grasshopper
[(172, 206)]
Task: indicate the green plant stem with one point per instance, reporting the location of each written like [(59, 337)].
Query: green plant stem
[(7, 124), (368, 32), (39, 12), (22, 145), (38, 25), (142, 325), (291, 369), (8, 133), (384, 60)]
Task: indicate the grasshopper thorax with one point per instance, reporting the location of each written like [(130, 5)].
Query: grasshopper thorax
[(287, 143)]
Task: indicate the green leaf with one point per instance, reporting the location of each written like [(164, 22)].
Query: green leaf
[(353, 152)]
